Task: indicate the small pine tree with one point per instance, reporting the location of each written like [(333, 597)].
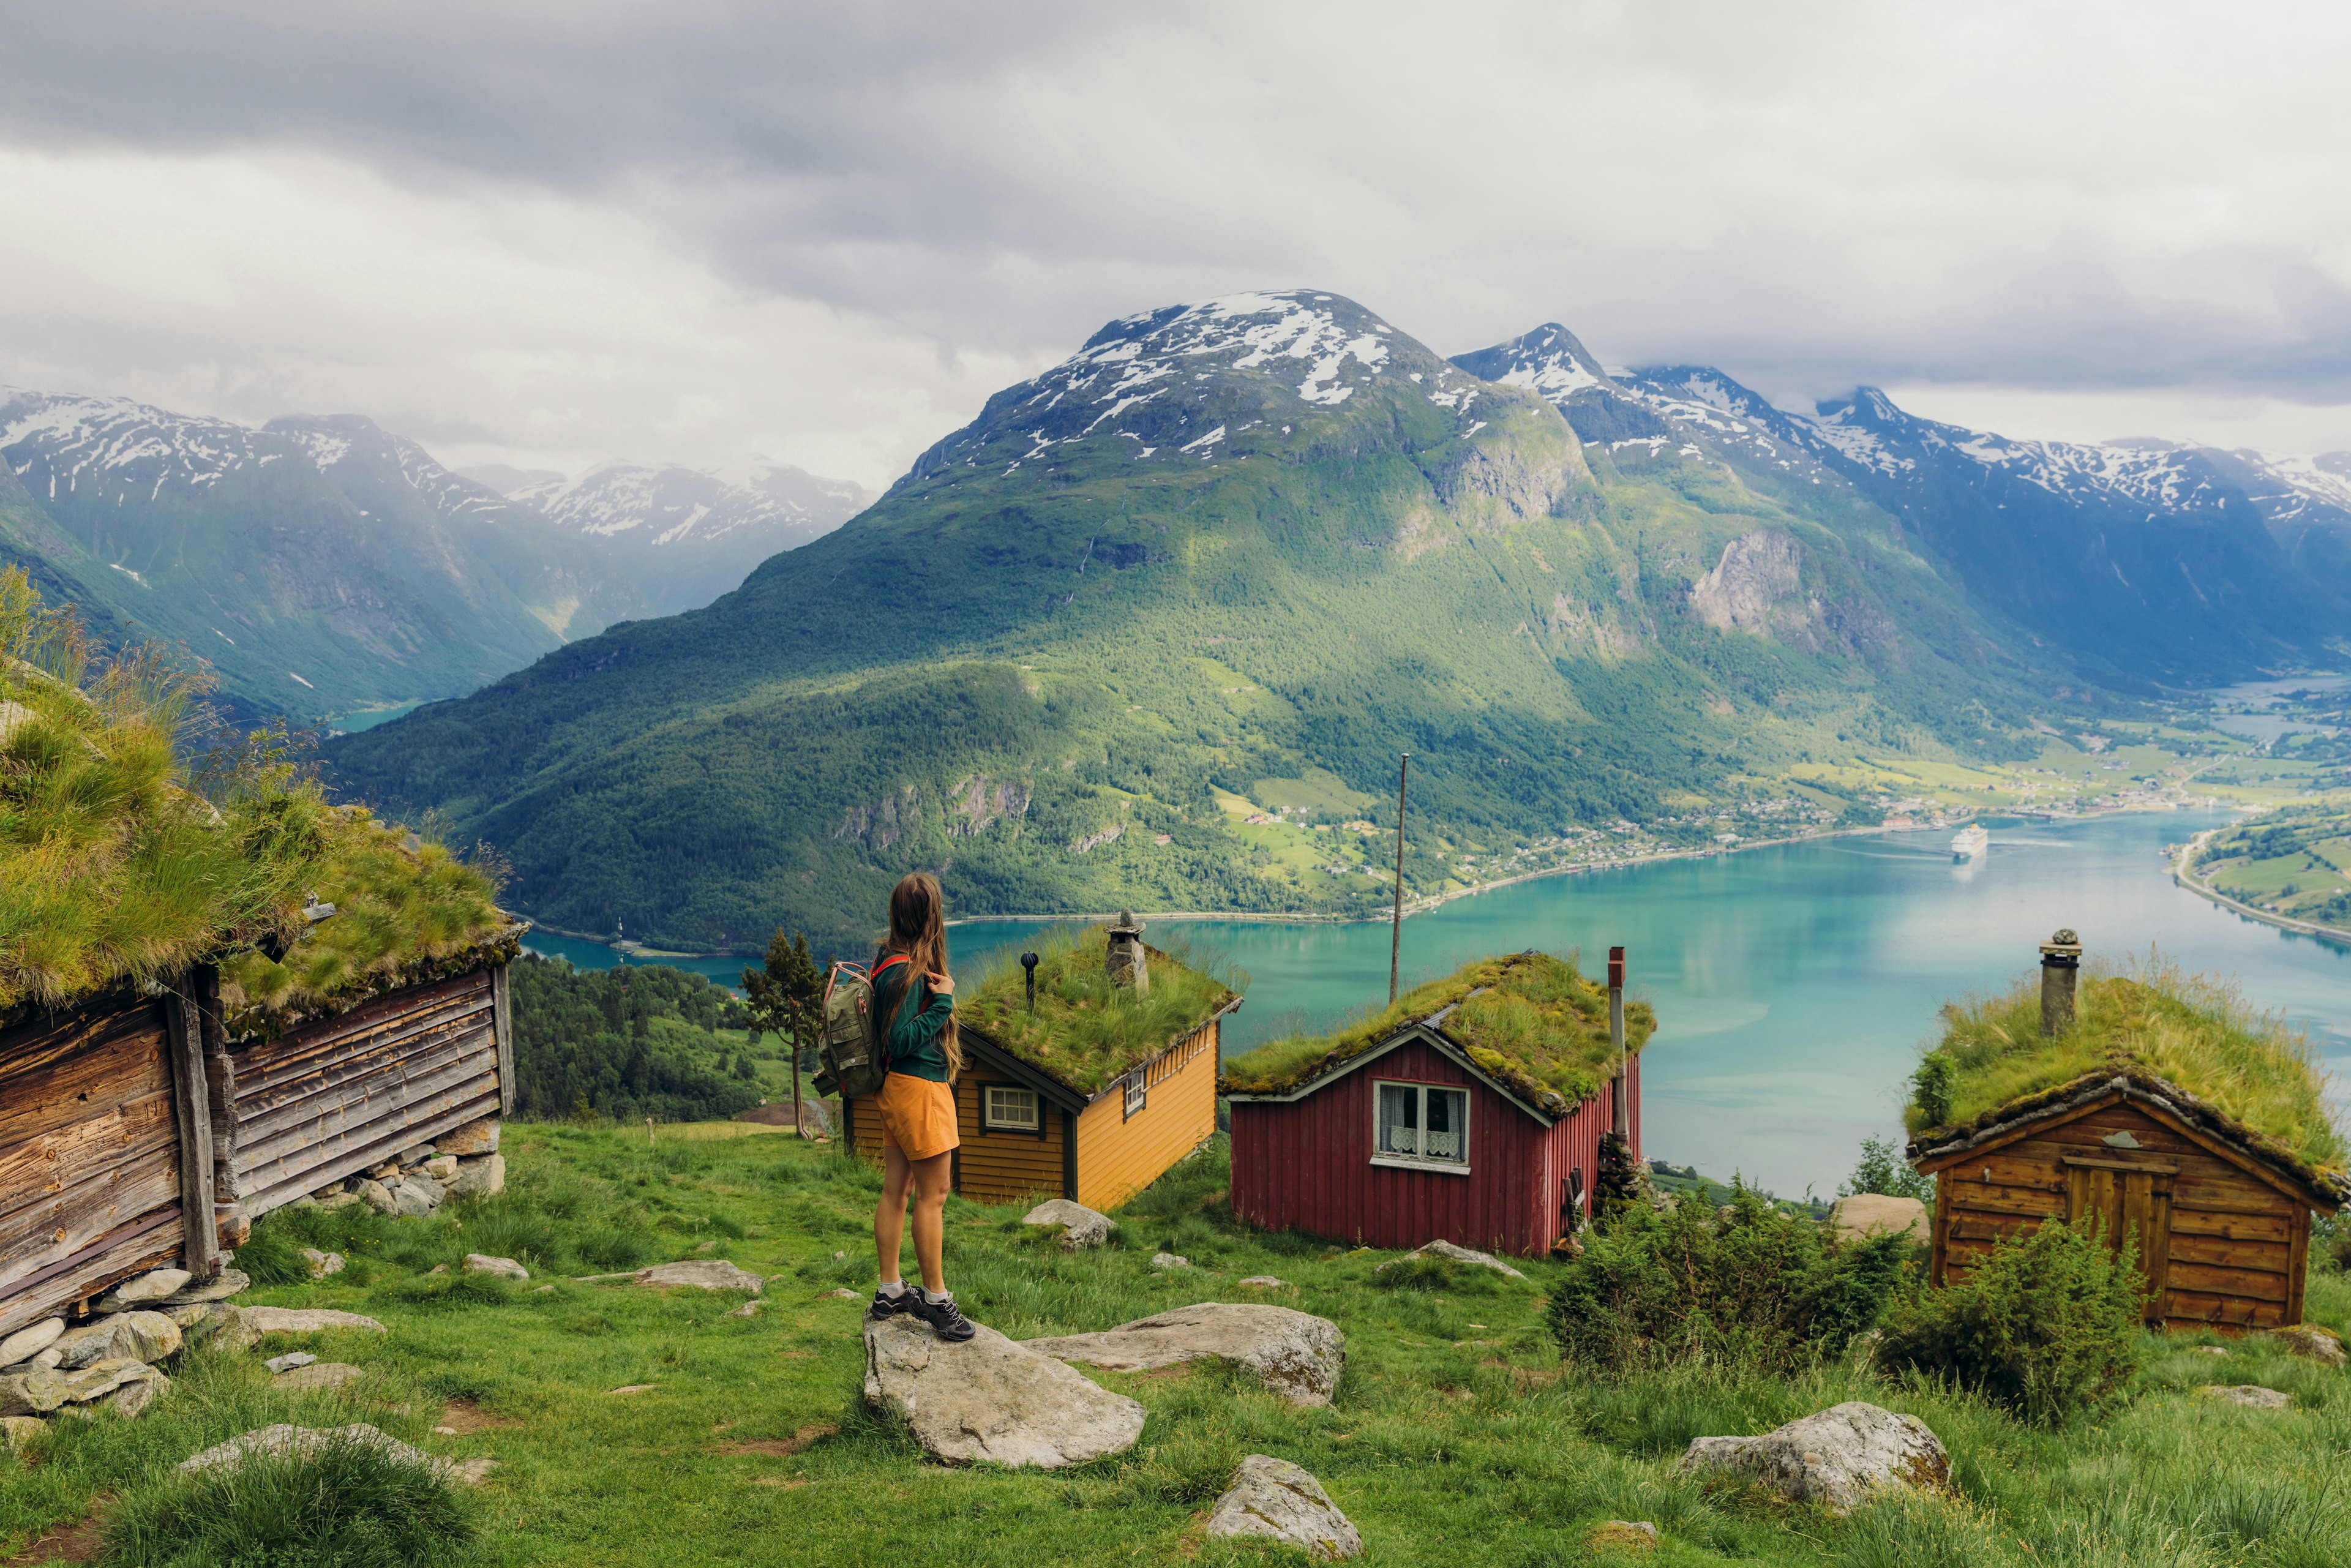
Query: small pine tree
[(1882, 1171), (786, 997)]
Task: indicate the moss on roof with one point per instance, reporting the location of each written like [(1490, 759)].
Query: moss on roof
[(124, 863), (2159, 1022), (1085, 1031), (1528, 1020)]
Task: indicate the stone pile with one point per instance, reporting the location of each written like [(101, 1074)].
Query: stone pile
[(464, 1161), (112, 1361)]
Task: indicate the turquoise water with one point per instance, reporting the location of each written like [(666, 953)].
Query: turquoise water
[(1793, 986)]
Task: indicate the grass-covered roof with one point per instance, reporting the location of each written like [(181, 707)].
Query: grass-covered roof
[(1086, 1031), (2193, 1033), (134, 841), (1528, 1020)]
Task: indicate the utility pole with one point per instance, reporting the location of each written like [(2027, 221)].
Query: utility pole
[(1395, 930)]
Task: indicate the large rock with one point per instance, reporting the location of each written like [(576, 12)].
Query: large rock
[(275, 1442), (1835, 1459), (474, 1138), (135, 1337), (1458, 1255), (2247, 1395), (1874, 1214), (709, 1274), (503, 1268), (1297, 1354), (26, 1344), (219, 1288), (153, 1286), (1081, 1227), (256, 1321), (482, 1177), (40, 1392), (989, 1398), (2309, 1340), (1274, 1500)]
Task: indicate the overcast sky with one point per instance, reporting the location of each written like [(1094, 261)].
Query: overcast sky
[(553, 233)]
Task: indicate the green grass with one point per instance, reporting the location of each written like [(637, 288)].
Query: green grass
[(1456, 1437), (1529, 1018), (1085, 1030), (2199, 1034)]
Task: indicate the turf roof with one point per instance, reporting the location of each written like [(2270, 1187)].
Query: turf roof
[(2162, 1023), (1528, 1020), (1085, 1031), (120, 863)]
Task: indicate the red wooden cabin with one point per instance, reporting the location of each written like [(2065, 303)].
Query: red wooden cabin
[(1422, 1126)]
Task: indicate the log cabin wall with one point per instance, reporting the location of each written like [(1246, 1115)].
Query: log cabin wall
[(90, 1178), (2223, 1244), (343, 1094)]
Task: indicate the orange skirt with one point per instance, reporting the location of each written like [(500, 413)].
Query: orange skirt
[(917, 1115)]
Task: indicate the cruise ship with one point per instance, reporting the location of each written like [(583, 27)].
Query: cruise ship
[(1971, 841)]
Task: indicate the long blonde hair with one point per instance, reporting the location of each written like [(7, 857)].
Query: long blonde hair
[(918, 929)]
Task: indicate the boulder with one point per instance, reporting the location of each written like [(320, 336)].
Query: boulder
[(482, 1177), (503, 1268), (376, 1195), (26, 1344), (301, 1319), (417, 1195), (1873, 1214), (1081, 1227), (1274, 1500), (275, 1442), (322, 1264), (989, 1398), (1296, 1354), (219, 1288), (709, 1274), (474, 1138), (318, 1374), (1836, 1458), (1170, 1261), (2248, 1396), (16, 1431), (153, 1286), (441, 1168), (2323, 1345), (135, 1337), (1457, 1254), (40, 1392)]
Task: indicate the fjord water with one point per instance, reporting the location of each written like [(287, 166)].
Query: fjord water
[(1793, 985)]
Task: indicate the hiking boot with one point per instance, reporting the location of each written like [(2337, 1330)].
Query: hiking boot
[(884, 1306), (946, 1320)]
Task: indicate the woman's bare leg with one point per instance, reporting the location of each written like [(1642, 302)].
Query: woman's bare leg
[(890, 1214), (931, 1179)]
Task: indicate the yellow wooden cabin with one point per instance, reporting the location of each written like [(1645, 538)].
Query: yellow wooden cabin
[(1095, 1090)]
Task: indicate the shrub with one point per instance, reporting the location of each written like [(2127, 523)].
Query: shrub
[(343, 1505), (1753, 1284), (2047, 1327)]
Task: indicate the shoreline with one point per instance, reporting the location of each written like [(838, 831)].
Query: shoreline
[(2183, 874)]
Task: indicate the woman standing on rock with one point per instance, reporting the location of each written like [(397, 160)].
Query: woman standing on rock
[(913, 1018)]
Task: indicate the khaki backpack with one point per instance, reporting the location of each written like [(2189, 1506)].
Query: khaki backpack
[(853, 1058)]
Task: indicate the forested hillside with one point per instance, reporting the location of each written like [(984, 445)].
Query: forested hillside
[(627, 1042)]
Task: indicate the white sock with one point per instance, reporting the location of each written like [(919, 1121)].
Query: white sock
[(894, 1289), (937, 1297)]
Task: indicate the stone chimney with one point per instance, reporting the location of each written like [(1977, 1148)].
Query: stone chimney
[(1127, 966), (2061, 964)]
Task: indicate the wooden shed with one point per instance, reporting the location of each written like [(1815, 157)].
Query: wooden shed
[(1093, 1094), (2214, 1185), (1471, 1111)]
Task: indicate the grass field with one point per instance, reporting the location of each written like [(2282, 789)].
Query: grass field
[(1455, 1437)]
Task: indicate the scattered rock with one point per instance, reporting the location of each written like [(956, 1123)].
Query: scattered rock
[(2248, 1396), (1626, 1535), (323, 1375), (474, 1138), (1835, 1458), (1873, 1214), (289, 1361), (219, 1288), (709, 1274), (544, 1290), (2211, 1350), (503, 1268), (989, 1398), (376, 1195), (417, 1195), (1081, 1227), (1274, 1500), (840, 1294), (472, 1472), (1458, 1255), (2322, 1344), (483, 1178), (635, 1388), (301, 1319), (277, 1442), (437, 1268), (16, 1431), (1297, 1354), (1262, 1282), (43, 1390), (134, 1336), (322, 1264), (26, 1344), (749, 1309), (149, 1287), (1170, 1261)]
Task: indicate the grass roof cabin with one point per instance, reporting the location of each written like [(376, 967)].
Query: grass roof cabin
[(186, 1037), (1469, 1111), (2167, 1106), (1095, 1092)]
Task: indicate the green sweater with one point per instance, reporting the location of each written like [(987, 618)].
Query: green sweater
[(913, 1043)]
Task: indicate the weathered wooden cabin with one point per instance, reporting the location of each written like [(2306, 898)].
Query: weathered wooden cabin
[(1093, 1091), (2210, 1164), (1471, 1111)]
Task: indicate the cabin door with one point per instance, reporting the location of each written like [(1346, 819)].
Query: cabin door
[(2131, 1200)]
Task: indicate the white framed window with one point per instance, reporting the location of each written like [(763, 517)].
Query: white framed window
[(1138, 1094), (1008, 1108), (1423, 1126)]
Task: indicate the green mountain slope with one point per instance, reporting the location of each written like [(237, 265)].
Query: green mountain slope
[(1231, 554)]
